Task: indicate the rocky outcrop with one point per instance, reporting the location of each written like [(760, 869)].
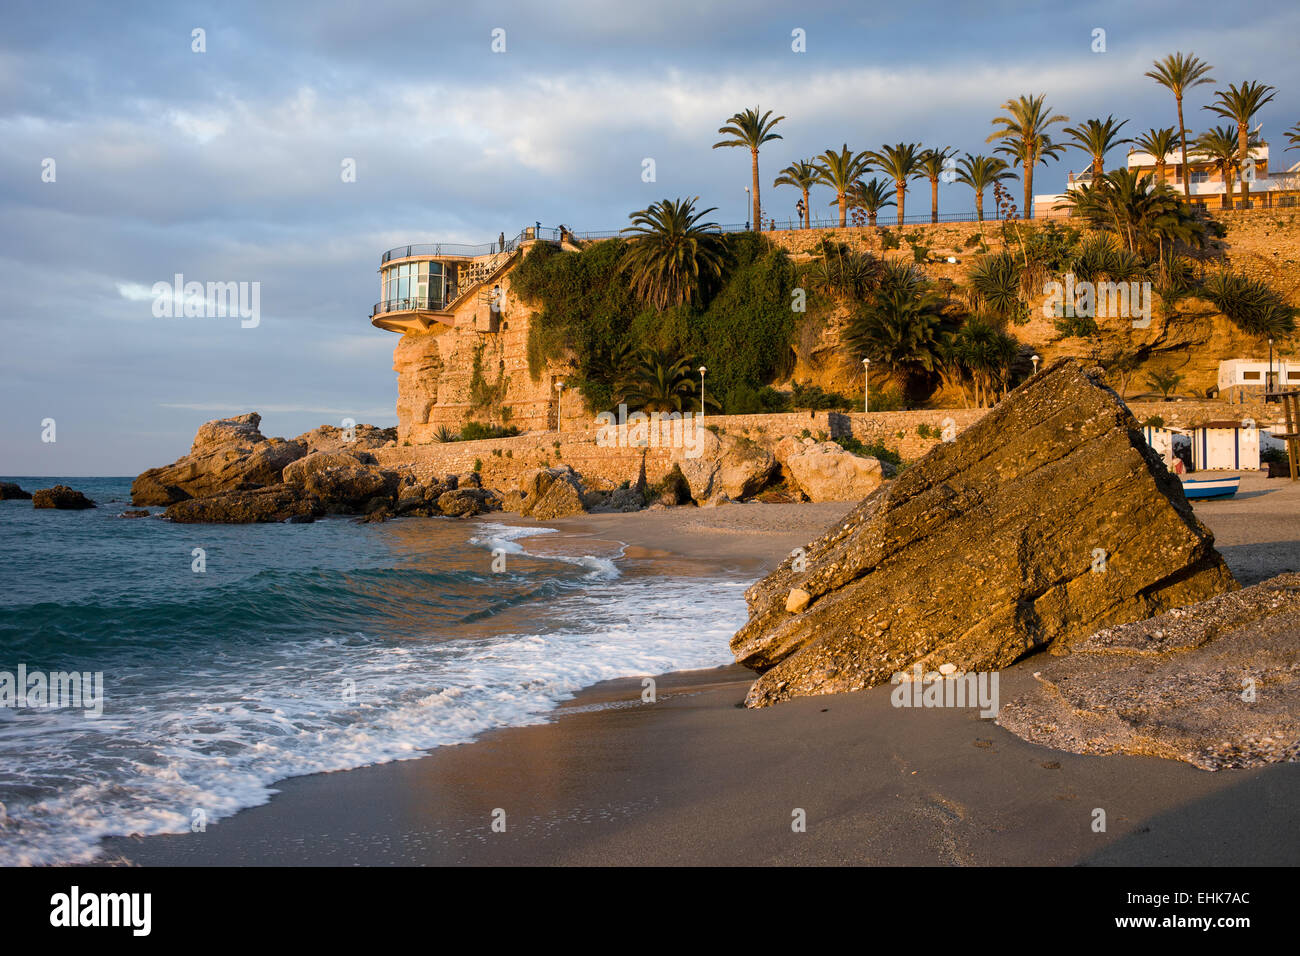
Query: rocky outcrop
[(1216, 685), (826, 472), (61, 497), (551, 493), (1048, 519), (343, 481), (228, 454), (9, 491), (466, 502), (359, 438), (280, 502)]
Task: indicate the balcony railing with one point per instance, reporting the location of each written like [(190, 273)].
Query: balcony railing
[(455, 250), (412, 304)]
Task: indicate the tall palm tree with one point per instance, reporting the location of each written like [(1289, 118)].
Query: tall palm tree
[(672, 253), (1097, 138), (1219, 146), (1293, 137), (1024, 136), (870, 196), (932, 164), (1159, 143), (1241, 104), (980, 173), (900, 163), (803, 176), (750, 130), (1179, 73), (840, 171)]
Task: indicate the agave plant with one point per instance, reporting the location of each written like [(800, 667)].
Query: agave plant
[(845, 272), (673, 254), (1178, 74), (750, 130), (1250, 304), (994, 286), (1024, 134)]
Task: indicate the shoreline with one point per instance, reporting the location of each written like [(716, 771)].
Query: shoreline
[(695, 777)]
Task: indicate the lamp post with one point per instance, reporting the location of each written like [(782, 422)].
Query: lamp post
[(559, 406), (747, 208), (866, 386), (702, 371), (1268, 386), (1035, 359)]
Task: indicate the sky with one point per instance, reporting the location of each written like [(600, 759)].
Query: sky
[(127, 156)]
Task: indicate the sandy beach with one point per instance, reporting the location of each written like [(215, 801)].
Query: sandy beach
[(694, 778)]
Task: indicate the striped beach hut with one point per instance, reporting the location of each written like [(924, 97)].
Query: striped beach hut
[(1225, 446)]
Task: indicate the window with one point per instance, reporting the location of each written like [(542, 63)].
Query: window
[(420, 282), (1200, 176), (1252, 376), (1293, 376)]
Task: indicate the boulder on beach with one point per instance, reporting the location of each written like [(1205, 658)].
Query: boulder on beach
[(343, 481), (736, 467), (228, 454), (465, 502), (10, 491), (551, 493), (826, 472), (257, 505), (357, 438), (1216, 685), (61, 497), (1048, 519)]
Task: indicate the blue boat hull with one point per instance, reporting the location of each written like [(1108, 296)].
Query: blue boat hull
[(1203, 489)]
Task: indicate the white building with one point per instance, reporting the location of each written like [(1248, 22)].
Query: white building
[(1249, 378)]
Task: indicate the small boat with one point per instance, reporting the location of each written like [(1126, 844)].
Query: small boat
[(1203, 488)]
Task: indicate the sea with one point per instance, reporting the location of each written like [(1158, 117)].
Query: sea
[(235, 656)]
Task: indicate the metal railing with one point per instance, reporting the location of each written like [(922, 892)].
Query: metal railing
[(412, 304), (456, 250)]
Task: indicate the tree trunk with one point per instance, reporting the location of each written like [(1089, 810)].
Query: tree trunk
[(1028, 211), (1182, 132), (1160, 172), (871, 218), (900, 190), (1098, 169), (758, 209), (807, 211), (1227, 186), (1243, 151), (844, 209), (979, 206), (934, 199)]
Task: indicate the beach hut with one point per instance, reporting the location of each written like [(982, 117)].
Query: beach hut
[(1225, 446)]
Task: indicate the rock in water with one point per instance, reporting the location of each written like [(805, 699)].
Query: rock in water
[(1048, 519), (1216, 685), (10, 491), (62, 497)]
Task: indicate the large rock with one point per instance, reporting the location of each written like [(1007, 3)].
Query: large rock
[(359, 438), (551, 493), (727, 465), (1046, 520), (61, 497), (228, 454), (466, 502), (274, 503), (1216, 685), (826, 472), (10, 491), (342, 481)]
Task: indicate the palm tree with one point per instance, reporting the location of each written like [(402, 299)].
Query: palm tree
[(751, 131), (980, 173), (1293, 137), (1164, 381), (672, 253), (900, 330), (660, 382), (901, 163), (932, 165), (840, 171), (1178, 74), (1097, 138), (982, 353), (1241, 104), (995, 282), (870, 196), (803, 176), (1219, 145), (1148, 217), (1251, 304), (1024, 136), (1159, 143)]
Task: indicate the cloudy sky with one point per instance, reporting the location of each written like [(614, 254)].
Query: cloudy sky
[(225, 165)]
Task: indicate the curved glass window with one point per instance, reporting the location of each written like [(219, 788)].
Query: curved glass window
[(415, 285)]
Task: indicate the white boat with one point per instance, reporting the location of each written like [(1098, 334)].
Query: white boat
[(1211, 487)]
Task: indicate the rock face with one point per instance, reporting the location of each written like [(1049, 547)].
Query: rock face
[(259, 505), (343, 482), (1216, 685), (62, 497), (9, 491), (1047, 520), (826, 472), (726, 465), (228, 454), (330, 438)]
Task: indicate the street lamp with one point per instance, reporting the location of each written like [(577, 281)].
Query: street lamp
[(559, 406), (702, 371), (866, 382), (1035, 359), (1269, 385), (748, 207)]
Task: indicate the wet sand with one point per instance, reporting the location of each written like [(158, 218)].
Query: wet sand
[(693, 778)]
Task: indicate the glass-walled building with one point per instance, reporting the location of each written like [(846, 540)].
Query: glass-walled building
[(423, 284)]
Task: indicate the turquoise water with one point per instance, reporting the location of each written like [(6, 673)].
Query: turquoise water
[(297, 649)]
